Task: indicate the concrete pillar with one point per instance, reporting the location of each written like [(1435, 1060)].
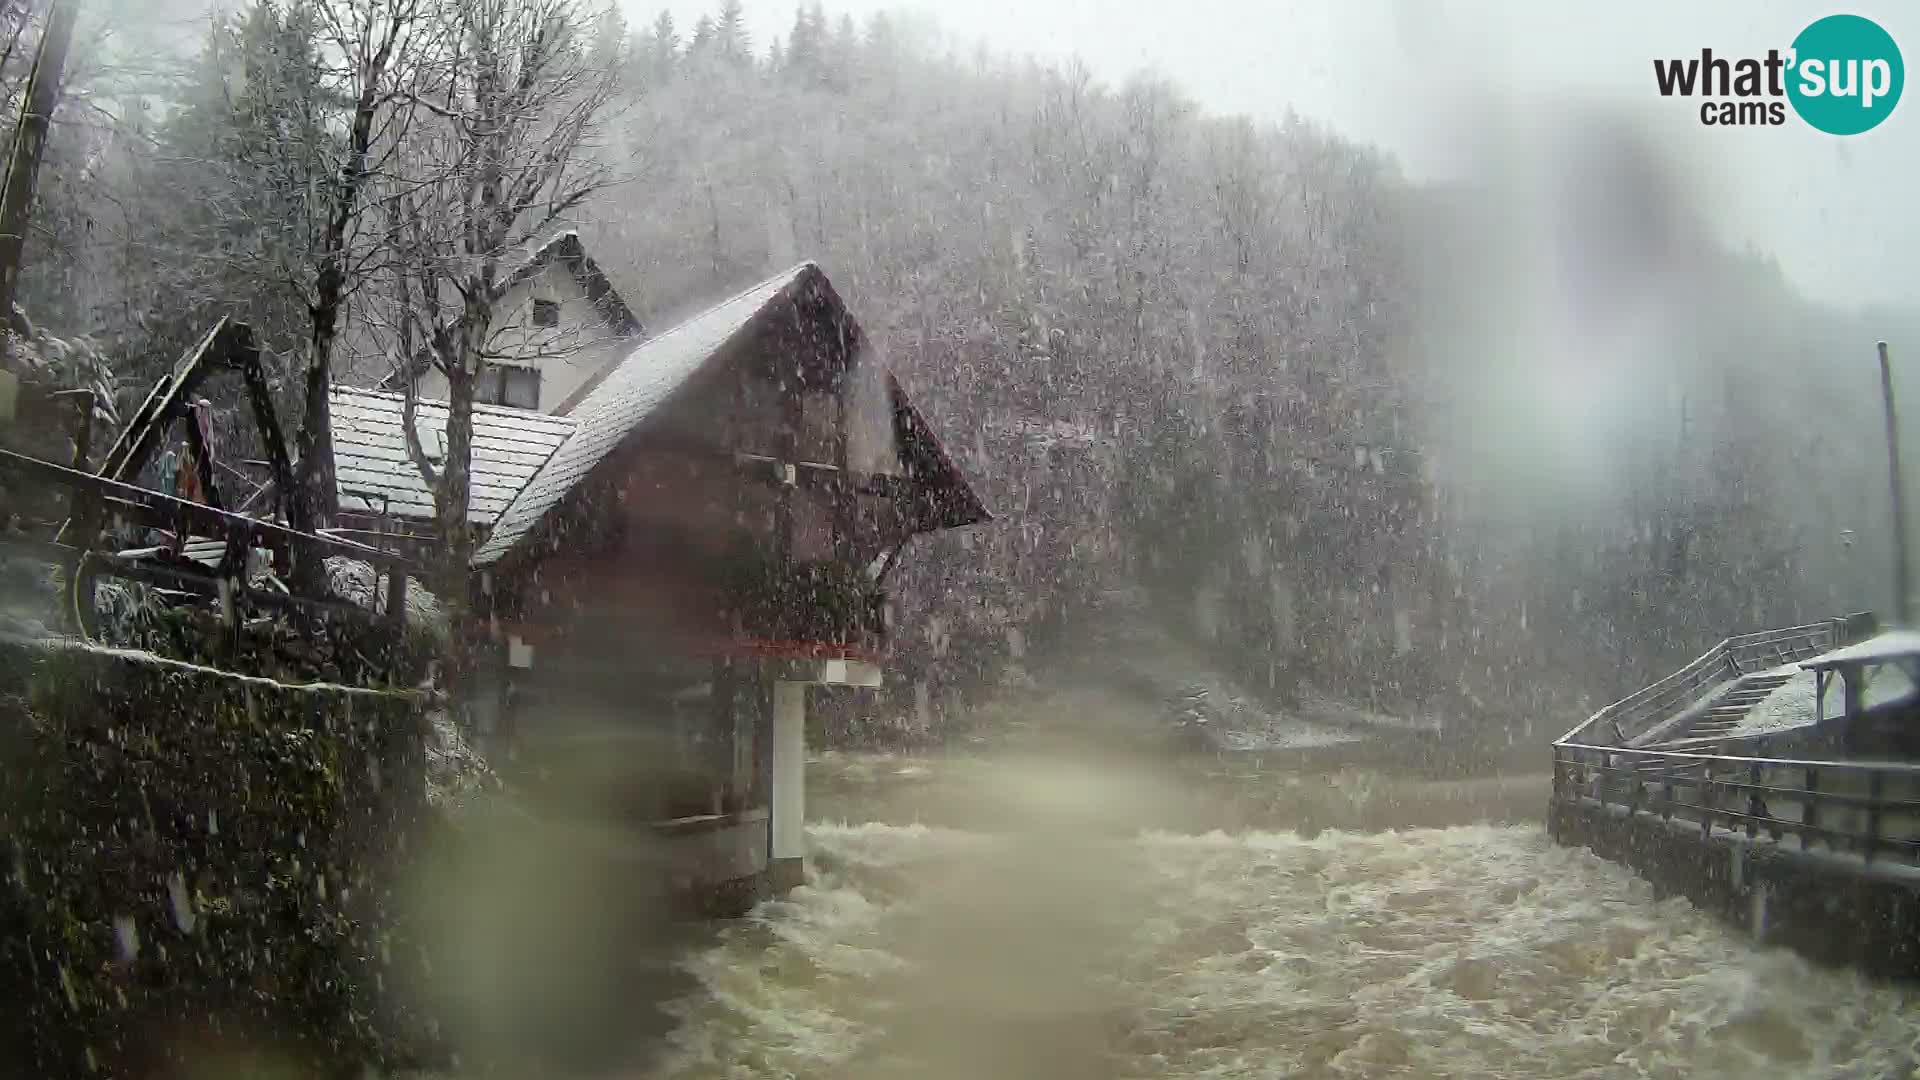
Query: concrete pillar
[(786, 862)]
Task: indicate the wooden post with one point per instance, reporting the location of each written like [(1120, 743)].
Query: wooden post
[(1901, 593), (1874, 790), (246, 356), (1853, 691), (1810, 807), (1706, 800), (396, 613), (29, 140), (233, 580), (83, 401)]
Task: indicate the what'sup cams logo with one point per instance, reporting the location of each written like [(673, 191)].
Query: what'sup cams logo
[(1843, 75)]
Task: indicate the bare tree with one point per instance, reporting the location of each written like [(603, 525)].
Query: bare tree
[(29, 138), (287, 128), (382, 52), (504, 150)]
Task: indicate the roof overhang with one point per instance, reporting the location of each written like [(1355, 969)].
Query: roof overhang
[(657, 373)]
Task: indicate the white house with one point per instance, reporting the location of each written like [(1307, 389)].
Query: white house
[(557, 324)]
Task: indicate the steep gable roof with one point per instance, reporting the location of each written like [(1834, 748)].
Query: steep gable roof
[(564, 250), (626, 395), (947, 501), (373, 474)]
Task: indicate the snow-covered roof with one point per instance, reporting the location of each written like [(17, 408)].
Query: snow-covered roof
[(1879, 649), (370, 453), (629, 392)]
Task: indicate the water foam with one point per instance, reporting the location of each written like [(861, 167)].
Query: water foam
[(1474, 951)]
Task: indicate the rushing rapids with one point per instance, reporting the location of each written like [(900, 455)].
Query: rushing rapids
[(1064, 898), (1069, 901), (1472, 951)]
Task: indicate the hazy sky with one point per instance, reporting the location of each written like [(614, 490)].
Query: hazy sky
[(1432, 80)]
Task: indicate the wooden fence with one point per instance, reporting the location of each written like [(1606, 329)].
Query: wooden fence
[(1869, 809)]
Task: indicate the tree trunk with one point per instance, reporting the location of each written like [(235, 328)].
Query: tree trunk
[(312, 495), (29, 140), (456, 483)]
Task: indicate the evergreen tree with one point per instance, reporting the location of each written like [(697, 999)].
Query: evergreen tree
[(702, 44), (731, 41), (842, 53), (806, 45), (236, 160), (657, 51), (609, 44)]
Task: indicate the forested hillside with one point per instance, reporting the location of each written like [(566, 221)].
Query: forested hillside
[(1252, 366)]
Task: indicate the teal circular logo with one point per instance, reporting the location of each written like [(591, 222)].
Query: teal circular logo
[(1846, 75)]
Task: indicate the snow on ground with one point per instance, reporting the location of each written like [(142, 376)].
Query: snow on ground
[(1248, 725), (1789, 706), (1327, 709), (456, 771), (1682, 720), (1792, 704)]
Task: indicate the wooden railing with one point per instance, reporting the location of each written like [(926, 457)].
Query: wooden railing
[(1868, 809), (1638, 712)]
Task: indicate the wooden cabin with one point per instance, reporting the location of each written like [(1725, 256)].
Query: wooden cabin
[(668, 564)]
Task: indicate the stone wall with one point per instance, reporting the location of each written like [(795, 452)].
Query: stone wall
[(196, 868)]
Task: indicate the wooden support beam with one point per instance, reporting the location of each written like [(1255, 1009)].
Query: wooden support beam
[(141, 437), (155, 510), (246, 357), (202, 460)]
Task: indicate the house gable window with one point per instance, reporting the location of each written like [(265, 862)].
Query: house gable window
[(546, 313), (509, 385)]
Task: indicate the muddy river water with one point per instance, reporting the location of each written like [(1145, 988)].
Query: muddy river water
[(1060, 907)]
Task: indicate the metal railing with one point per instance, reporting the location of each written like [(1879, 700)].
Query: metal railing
[(1638, 712), (1868, 809)]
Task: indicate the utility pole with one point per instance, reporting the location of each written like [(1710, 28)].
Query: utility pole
[(29, 139), (1901, 593)]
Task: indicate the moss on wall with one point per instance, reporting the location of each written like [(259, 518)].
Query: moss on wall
[(194, 867)]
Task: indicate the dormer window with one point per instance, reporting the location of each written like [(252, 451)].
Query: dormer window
[(546, 313)]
